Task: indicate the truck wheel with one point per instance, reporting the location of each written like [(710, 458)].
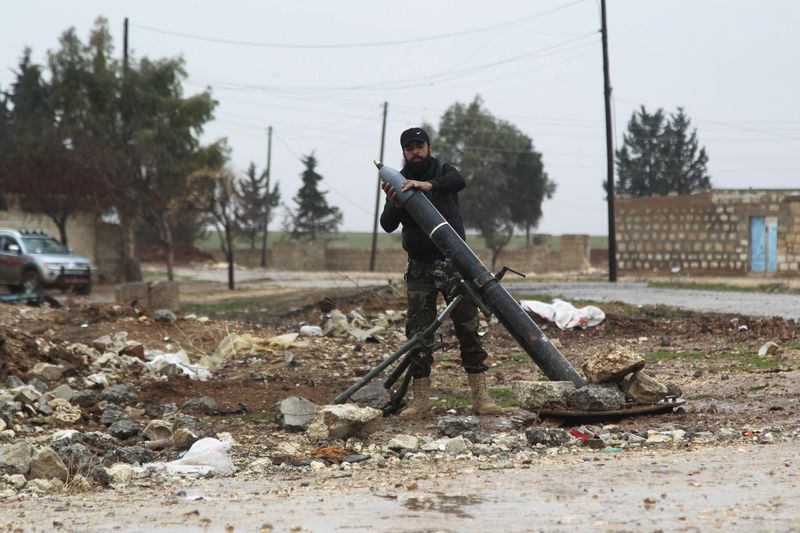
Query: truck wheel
[(31, 282)]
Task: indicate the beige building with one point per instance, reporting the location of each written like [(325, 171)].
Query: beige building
[(717, 231)]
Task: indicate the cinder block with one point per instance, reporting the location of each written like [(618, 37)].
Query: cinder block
[(133, 294), (164, 295)]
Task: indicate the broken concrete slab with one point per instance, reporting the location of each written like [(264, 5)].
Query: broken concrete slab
[(46, 464), (535, 395), (596, 397), (403, 442), (343, 421), (643, 388), (296, 413), (613, 366), (17, 456), (48, 372)]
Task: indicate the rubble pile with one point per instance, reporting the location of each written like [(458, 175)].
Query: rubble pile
[(95, 397), (615, 380)]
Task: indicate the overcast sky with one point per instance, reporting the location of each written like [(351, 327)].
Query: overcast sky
[(319, 72)]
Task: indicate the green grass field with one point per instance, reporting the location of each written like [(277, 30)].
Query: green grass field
[(385, 241)]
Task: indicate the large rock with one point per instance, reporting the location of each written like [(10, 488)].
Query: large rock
[(48, 372), (643, 388), (452, 426), (77, 456), (17, 457), (129, 455), (343, 421), (296, 413), (549, 437), (203, 405), (84, 398), (113, 413), (65, 392), (120, 473), (535, 395), (596, 397), (403, 442), (46, 464), (613, 366), (120, 394), (124, 429), (372, 395), (26, 394), (165, 316)]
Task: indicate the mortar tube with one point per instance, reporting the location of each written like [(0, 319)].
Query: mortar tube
[(508, 311)]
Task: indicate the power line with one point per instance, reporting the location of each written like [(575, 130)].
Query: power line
[(416, 81), (357, 45)]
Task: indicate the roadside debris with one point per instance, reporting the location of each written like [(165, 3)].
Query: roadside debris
[(564, 314)]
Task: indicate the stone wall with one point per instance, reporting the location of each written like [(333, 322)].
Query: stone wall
[(572, 256), (706, 232)]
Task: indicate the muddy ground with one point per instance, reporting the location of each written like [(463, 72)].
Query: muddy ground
[(712, 358)]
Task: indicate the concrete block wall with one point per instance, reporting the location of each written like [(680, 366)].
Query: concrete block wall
[(574, 255), (704, 232)]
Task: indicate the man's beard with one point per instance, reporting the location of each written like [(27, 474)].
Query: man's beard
[(419, 167)]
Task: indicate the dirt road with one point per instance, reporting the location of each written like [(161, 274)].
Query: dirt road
[(742, 488)]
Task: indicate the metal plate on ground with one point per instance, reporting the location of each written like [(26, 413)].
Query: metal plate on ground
[(661, 407)]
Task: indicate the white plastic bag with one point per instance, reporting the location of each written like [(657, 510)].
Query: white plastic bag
[(206, 456), (564, 314)]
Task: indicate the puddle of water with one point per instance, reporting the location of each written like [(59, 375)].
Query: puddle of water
[(442, 503)]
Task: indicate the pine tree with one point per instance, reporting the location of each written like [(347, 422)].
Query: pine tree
[(313, 214), (660, 156), (253, 201)]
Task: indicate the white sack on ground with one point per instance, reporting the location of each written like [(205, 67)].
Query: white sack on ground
[(564, 314), (206, 457)]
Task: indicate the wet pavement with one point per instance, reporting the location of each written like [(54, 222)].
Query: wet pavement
[(748, 487), (734, 302)]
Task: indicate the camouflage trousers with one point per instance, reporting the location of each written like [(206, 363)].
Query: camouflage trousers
[(422, 296)]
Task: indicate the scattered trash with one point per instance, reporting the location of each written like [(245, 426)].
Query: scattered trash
[(564, 314), (311, 331), (769, 348), (208, 456), (174, 364)]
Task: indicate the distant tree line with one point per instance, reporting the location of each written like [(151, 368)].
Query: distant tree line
[(86, 132)]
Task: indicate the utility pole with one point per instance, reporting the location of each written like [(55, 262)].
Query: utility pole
[(378, 195), (268, 198), (612, 227), (125, 46)]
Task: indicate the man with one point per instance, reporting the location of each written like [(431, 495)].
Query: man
[(440, 182)]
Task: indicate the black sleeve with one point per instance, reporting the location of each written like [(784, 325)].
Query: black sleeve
[(450, 180), (390, 217)]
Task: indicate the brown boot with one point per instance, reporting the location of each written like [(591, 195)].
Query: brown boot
[(482, 404), (420, 406)]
